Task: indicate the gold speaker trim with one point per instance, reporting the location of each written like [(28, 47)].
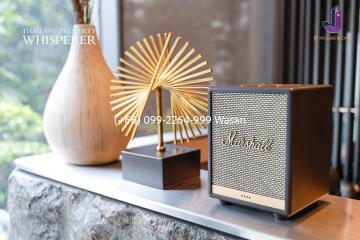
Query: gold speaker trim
[(249, 197)]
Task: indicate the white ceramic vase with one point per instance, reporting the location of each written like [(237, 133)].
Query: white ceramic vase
[(78, 122)]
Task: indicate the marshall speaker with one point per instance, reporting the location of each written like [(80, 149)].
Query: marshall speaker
[(269, 145)]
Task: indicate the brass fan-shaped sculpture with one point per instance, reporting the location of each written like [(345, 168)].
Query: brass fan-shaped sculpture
[(162, 64)]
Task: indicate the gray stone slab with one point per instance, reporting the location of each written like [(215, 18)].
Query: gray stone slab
[(44, 209), (334, 218)]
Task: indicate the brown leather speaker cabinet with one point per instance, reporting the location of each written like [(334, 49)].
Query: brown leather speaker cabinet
[(270, 145)]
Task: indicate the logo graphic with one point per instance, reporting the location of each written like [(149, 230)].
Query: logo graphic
[(233, 140), (334, 24)]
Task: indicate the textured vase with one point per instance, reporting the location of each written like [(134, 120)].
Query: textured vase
[(78, 121)]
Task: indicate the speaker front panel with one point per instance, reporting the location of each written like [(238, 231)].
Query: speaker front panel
[(248, 147)]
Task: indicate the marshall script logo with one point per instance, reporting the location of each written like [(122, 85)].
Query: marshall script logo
[(252, 143)]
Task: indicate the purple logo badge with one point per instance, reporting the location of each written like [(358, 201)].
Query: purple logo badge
[(334, 24)]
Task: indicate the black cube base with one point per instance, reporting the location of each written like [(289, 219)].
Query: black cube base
[(162, 170)]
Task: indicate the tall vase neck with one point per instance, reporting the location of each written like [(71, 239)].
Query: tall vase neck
[(84, 37)]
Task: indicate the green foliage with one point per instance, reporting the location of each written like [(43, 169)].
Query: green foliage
[(27, 73), (19, 122), (20, 135)]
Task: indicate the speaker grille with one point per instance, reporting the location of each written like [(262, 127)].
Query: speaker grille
[(250, 170)]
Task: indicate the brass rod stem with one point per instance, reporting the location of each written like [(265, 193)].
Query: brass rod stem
[(160, 147)]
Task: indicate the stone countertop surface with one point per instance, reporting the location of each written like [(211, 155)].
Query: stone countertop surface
[(42, 209), (185, 212)]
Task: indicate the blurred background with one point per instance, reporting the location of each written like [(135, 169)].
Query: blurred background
[(26, 77), (243, 40)]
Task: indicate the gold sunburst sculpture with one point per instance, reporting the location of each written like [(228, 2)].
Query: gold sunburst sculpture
[(158, 63)]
